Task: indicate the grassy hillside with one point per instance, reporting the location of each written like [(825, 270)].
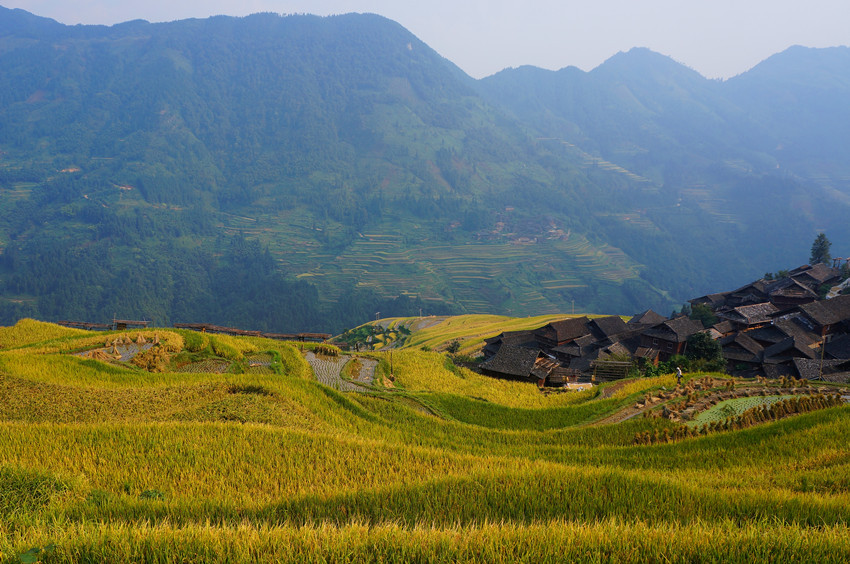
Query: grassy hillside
[(103, 461)]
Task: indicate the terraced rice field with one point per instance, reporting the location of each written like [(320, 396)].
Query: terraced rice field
[(101, 463), (481, 275), (259, 363), (733, 408), (328, 371), (404, 258), (717, 207), (119, 353), (208, 366), (365, 372)]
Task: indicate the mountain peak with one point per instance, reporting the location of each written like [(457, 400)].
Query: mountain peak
[(638, 61), (22, 23), (802, 64)]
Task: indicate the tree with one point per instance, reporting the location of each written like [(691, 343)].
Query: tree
[(701, 347), (820, 250), (703, 313)]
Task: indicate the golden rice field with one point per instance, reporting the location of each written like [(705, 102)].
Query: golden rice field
[(109, 462)]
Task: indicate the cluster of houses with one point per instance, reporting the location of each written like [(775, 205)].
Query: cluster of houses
[(769, 328)]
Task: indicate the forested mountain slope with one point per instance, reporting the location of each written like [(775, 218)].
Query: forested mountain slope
[(764, 154), (301, 173)]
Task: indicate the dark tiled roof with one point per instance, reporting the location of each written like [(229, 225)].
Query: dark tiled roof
[(799, 269), (512, 361), (794, 329), (617, 350), (677, 330), (787, 349), (712, 300), (751, 314), (723, 327), (757, 287), (646, 352), (609, 326), (631, 342), (828, 312), (777, 371), (647, 317), (818, 273), (789, 287), (519, 338), (714, 333), (744, 341), (838, 377), (742, 348), (564, 330), (584, 363), (769, 334), (839, 347), (578, 347), (543, 367), (512, 338), (815, 369)]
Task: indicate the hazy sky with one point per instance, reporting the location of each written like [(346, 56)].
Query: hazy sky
[(718, 38)]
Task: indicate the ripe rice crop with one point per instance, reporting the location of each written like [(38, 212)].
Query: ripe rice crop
[(641, 385), (29, 331), (110, 464), (208, 366)]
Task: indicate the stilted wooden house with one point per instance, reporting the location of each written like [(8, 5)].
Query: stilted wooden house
[(827, 317), (560, 333), (816, 275), (669, 338), (747, 317), (742, 353)]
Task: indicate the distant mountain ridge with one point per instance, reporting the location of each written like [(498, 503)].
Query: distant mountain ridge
[(187, 171)]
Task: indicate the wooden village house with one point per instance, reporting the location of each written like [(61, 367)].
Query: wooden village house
[(771, 328), (670, 337)]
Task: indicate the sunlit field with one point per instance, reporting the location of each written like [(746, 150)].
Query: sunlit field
[(103, 460)]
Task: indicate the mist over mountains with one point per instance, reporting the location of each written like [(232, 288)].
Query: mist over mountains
[(303, 173)]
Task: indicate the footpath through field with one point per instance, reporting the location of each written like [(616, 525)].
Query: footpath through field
[(328, 371)]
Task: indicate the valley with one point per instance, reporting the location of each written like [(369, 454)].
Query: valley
[(436, 282)]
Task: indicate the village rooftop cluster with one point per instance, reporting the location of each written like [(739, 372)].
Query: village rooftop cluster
[(769, 328)]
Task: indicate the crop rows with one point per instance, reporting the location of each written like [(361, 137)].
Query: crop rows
[(381, 264), (328, 371), (208, 366), (733, 408), (105, 464)]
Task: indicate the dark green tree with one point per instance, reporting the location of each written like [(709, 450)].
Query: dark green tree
[(820, 250), (701, 347), (704, 314)]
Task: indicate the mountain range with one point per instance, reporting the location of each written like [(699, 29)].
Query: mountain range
[(306, 173)]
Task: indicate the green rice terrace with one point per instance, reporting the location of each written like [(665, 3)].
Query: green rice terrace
[(401, 257), (166, 445)]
